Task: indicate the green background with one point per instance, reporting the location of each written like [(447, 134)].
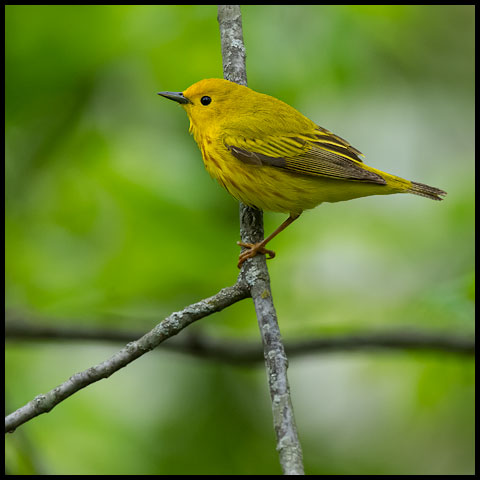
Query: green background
[(112, 221)]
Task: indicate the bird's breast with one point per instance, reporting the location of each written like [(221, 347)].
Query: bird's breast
[(255, 185)]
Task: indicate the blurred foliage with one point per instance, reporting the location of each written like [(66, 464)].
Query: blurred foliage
[(112, 220)]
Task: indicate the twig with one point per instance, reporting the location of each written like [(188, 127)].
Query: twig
[(170, 326), (231, 351), (255, 273)]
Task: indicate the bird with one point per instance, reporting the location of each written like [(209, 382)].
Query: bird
[(268, 155)]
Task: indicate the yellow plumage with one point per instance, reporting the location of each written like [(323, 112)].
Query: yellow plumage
[(270, 156)]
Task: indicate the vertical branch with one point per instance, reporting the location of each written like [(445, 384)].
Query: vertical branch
[(233, 49), (255, 273)]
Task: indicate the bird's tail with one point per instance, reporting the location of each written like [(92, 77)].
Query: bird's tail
[(426, 191)]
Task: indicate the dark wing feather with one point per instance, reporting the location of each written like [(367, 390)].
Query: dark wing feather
[(329, 140), (318, 154)]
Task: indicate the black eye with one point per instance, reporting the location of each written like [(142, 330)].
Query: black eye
[(205, 100)]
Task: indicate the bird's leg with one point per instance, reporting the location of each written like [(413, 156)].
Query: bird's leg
[(256, 248)]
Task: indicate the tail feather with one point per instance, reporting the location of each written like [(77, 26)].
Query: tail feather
[(427, 191)]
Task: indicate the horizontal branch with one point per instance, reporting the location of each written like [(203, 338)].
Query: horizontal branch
[(170, 326), (248, 352)]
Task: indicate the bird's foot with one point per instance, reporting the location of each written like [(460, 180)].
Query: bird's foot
[(252, 250)]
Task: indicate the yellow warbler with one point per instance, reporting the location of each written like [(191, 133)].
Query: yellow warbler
[(270, 156)]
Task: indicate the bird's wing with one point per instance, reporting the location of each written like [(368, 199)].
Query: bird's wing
[(316, 154)]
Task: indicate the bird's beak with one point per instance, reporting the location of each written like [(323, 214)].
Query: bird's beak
[(176, 96)]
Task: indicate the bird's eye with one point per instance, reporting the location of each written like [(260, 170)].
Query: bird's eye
[(205, 100)]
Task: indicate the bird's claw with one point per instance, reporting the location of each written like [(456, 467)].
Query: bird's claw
[(252, 250)]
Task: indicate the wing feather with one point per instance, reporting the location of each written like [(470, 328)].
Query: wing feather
[(320, 153)]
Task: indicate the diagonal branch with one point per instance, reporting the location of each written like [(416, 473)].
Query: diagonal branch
[(170, 326), (255, 272)]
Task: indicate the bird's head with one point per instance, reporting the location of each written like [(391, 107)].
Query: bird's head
[(211, 102)]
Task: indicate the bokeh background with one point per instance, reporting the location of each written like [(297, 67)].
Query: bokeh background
[(112, 221)]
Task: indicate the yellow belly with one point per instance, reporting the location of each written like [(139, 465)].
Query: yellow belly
[(271, 188)]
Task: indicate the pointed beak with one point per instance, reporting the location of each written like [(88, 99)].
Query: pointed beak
[(176, 96)]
